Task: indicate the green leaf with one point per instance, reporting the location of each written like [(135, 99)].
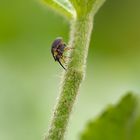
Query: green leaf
[(84, 7), (136, 130), (74, 8), (63, 7), (116, 123)]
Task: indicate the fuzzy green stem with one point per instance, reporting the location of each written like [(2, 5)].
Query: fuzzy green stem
[(80, 34)]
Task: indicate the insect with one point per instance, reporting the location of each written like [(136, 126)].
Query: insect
[(57, 49)]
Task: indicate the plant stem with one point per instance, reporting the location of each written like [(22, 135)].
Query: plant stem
[(80, 34)]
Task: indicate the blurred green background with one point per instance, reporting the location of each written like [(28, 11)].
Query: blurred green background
[(29, 77)]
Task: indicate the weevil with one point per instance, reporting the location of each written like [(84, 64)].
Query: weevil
[(57, 49)]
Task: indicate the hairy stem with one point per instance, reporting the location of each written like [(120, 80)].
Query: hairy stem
[(81, 29)]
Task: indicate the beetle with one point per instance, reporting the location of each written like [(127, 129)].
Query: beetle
[(57, 49)]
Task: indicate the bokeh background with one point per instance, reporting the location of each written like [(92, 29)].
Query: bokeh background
[(29, 77)]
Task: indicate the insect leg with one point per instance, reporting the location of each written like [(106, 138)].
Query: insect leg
[(68, 48)]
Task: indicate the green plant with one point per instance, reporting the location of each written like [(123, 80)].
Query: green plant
[(117, 122), (81, 15), (120, 120)]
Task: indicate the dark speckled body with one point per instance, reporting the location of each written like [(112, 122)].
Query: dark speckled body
[(57, 50)]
